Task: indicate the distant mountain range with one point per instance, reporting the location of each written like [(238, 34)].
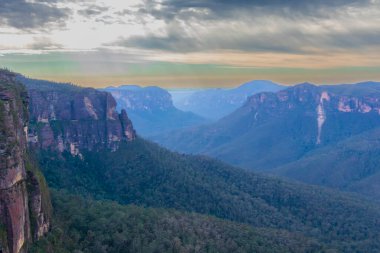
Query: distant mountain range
[(325, 135), (217, 102), (151, 109), (155, 111)]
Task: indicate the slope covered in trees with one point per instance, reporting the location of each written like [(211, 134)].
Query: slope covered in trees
[(104, 226), (142, 173), (351, 165)]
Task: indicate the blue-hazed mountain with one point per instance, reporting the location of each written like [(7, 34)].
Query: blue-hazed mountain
[(180, 94), (217, 103), (351, 163), (325, 135), (151, 109)]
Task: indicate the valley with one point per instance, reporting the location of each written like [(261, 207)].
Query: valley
[(84, 164), (201, 126)]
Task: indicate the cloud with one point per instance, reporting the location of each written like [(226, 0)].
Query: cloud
[(195, 30), (93, 10), (221, 37), (216, 9), (44, 43), (175, 39), (293, 26), (23, 14)]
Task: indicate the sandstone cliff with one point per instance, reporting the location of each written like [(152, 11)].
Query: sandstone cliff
[(65, 117), (331, 109), (24, 199)]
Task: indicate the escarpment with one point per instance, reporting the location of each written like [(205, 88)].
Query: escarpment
[(24, 200), (67, 118), (330, 109), (273, 129)]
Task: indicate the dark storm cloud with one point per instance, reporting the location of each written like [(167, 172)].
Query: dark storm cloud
[(170, 9), (261, 26), (29, 15), (176, 40), (286, 42)]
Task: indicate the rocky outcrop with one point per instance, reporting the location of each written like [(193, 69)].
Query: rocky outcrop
[(16, 216), (69, 118)]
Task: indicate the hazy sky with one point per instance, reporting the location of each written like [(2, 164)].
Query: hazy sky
[(189, 43)]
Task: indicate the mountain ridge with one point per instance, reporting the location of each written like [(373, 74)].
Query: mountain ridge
[(215, 103)]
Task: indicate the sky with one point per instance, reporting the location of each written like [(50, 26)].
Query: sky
[(191, 43)]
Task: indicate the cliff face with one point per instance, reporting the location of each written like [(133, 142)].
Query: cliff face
[(16, 217), (68, 118), (309, 97), (336, 115)]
